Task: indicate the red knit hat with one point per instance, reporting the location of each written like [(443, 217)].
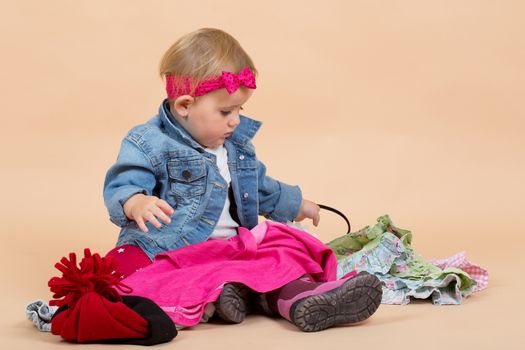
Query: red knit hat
[(91, 308)]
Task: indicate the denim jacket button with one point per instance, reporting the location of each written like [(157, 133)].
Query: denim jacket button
[(245, 195), (241, 157), (186, 174)]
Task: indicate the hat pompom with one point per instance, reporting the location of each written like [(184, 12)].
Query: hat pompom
[(95, 274)]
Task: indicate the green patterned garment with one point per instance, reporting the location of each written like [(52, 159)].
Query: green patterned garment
[(385, 251)]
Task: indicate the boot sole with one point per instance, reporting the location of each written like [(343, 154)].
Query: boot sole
[(232, 305), (353, 301)]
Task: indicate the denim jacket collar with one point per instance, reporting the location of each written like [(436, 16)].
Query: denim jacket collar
[(242, 134)]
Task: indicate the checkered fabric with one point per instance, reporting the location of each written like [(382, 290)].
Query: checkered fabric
[(479, 274)]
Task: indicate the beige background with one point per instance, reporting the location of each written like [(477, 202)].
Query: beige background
[(411, 108)]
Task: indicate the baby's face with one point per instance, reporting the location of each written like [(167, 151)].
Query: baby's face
[(212, 117)]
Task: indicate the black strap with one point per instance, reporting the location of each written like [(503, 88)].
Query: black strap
[(235, 217), (337, 212), (233, 206)]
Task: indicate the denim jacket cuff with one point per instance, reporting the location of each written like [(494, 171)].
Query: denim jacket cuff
[(116, 210), (287, 208)]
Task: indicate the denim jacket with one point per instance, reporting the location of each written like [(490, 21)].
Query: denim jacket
[(161, 158)]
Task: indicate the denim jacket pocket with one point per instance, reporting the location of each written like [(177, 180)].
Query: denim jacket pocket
[(187, 177)]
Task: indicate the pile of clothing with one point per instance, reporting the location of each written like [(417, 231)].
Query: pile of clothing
[(385, 250)]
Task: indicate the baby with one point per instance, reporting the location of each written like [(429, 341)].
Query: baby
[(191, 174)]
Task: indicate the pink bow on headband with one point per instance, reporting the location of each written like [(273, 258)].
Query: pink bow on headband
[(176, 86), (232, 81)]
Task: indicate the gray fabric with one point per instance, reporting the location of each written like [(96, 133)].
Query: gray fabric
[(40, 313)]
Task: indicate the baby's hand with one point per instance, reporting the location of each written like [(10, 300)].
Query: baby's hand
[(309, 210), (142, 208)]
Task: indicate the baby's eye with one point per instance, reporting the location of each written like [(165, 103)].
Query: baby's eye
[(226, 113)]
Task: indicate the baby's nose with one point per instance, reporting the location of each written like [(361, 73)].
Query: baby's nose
[(234, 121)]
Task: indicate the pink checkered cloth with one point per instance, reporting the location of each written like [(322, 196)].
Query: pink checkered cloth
[(479, 274)]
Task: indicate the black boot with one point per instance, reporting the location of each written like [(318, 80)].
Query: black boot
[(234, 302)]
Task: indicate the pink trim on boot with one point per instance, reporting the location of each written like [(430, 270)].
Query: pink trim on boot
[(285, 305)]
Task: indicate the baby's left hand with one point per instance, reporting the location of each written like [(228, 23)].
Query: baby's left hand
[(308, 210)]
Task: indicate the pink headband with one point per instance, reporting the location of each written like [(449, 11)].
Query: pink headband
[(177, 86)]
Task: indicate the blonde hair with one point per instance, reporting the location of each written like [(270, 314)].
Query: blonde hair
[(203, 54)]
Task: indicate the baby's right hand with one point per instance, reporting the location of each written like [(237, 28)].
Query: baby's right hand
[(142, 208)]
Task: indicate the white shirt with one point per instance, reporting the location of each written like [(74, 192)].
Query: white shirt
[(226, 227)]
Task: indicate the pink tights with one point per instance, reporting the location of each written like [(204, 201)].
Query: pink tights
[(130, 258)]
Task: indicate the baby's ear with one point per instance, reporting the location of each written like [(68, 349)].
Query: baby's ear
[(182, 103)]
